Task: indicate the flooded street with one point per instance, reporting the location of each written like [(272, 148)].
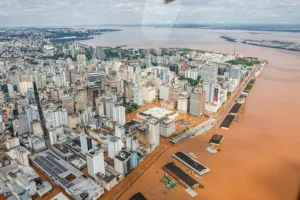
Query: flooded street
[(259, 157)]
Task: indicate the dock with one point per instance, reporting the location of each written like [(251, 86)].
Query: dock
[(180, 175), (195, 131), (227, 122), (216, 139), (191, 163), (235, 109)]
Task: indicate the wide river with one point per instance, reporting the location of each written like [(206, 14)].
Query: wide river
[(260, 157)]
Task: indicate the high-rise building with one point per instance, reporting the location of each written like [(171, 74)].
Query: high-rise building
[(99, 53), (56, 118), (68, 103), (148, 93), (86, 143), (119, 114), (174, 68), (197, 103), (21, 154), (81, 99), (109, 105), (183, 102), (137, 96), (25, 83), (119, 131), (20, 125), (175, 90), (32, 114), (209, 72), (40, 80), (115, 145), (132, 143), (164, 92), (167, 127), (191, 73), (154, 132), (12, 143), (95, 163)]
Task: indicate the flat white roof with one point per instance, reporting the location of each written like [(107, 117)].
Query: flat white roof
[(158, 112), (60, 196)]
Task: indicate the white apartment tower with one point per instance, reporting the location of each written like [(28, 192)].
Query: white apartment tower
[(137, 95), (115, 145), (86, 143), (95, 163), (119, 114), (183, 102), (154, 127)]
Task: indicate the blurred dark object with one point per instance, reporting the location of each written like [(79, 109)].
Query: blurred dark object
[(168, 1)]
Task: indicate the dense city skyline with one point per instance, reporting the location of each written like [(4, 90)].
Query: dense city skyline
[(93, 12)]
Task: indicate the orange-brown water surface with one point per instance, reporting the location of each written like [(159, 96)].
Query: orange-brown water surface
[(260, 155)]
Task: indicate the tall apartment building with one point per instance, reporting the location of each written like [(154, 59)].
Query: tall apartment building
[(137, 96), (164, 91), (68, 103), (32, 114), (20, 125), (197, 103), (109, 104), (148, 93), (119, 115), (154, 132), (175, 90), (40, 80), (132, 143), (12, 143), (183, 102), (56, 118), (115, 145), (209, 72), (95, 163), (167, 127), (191, 73), (85, 143)]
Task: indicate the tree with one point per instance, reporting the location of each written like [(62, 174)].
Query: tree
[(134, 106)]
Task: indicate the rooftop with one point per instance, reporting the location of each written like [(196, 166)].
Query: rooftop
[(157, 112)]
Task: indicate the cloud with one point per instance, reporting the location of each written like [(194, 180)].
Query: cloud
[(96, 12)]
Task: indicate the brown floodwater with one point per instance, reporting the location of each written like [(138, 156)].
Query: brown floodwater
[(260, 155)]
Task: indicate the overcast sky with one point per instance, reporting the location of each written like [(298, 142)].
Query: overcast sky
[(97, 12)]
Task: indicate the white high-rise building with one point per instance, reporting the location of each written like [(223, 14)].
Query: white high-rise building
[(183, 101), (109, 104), (164, 91), (95, 163), (56, 118), (32, 114), (132, 143), (210, 88), (153, 139), (191, 73), (21, 154), (148, 93), (12, 143), (137, 96), (119, 114), (209, 72), (86, 143), (167, 127), (115, 145), (119, 131)]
